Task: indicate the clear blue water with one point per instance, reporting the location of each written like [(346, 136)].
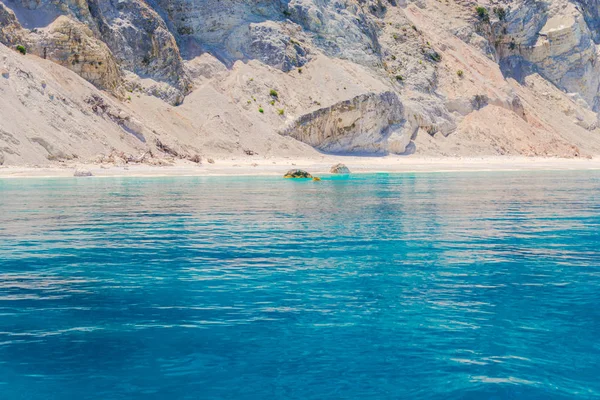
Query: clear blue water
[(426, 286)]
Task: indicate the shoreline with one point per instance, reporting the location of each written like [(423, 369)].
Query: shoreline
[(320, 166)]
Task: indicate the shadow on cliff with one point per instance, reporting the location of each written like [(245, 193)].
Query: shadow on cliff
[(411, 149), (517, 68), (32, 19)]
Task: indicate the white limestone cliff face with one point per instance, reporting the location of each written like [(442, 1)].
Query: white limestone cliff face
[(366, 76), (555, 39), (275, 32), (143, 44), (135, 35)]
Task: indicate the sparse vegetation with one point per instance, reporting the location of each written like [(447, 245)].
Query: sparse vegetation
[(479, 101), (435, 56), (500, 13), (185, 30), (431, 130), (273, 93), (21, 49), (399, 78), (281, 111), (272, 102), (460, 73), (299, 70), (260, 110), (482, 13)]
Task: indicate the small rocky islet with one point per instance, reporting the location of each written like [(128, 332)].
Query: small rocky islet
[(297, 174), (338, 169), (300, 174)]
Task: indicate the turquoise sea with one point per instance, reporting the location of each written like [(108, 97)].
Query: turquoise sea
[(407, 286)]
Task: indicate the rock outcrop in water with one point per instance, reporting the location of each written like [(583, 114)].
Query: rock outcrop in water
[(339, 169), (297, 174), (350, 76)]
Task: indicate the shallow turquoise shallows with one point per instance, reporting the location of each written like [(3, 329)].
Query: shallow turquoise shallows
[(424, 286)]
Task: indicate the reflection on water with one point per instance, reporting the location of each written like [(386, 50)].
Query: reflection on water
[(430, 286)]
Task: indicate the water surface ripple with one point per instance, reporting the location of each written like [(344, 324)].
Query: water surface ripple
[(426, 286)]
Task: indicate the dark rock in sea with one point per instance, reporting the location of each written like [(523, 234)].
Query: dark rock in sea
[(82, 173), (339, 169), (297, 173), (316, 179)]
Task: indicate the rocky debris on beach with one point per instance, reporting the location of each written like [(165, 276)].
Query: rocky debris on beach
[(82, 173), (339, 169), (297, 174)]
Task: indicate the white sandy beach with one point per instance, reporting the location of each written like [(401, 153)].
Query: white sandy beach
[(321, 166)]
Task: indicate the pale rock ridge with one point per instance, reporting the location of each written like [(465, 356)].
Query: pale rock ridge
[(72, 44), (369, 123), (45, 116)]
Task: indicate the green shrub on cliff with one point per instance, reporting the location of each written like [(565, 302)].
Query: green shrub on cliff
[(482, 13), (500, 13), (21, 49)]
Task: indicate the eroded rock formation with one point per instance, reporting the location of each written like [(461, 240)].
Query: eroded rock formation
[(369, 123)]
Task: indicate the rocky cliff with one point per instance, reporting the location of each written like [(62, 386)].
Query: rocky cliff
[(144, 81)]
